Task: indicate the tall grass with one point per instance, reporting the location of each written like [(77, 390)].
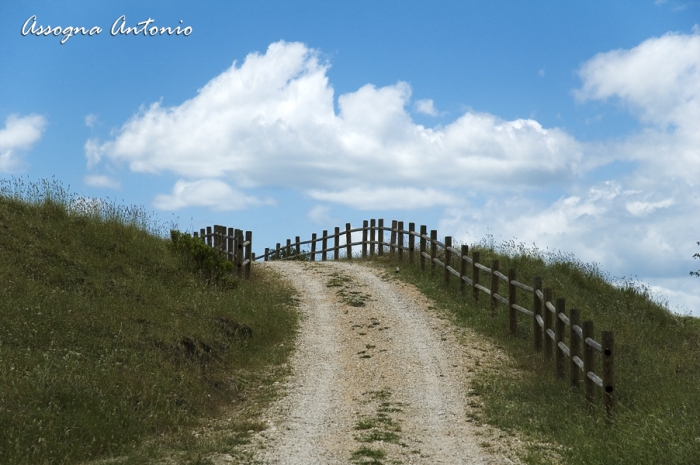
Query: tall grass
[(108, 341), (657, 363)]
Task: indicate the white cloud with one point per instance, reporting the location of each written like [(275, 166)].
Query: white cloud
[(406, 198), (271, 121), (541, 73), (606, 223), (659, 79), (207, 193), (101, 181), (19, 134), (425, 107), (90, 120), (319, 215), (645, 208)]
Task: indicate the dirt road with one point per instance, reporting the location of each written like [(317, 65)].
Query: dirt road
[(377, 377)]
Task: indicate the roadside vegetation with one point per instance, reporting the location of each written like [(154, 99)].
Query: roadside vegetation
[(119, 340), (657, 364)]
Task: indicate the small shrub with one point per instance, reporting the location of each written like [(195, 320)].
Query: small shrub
[(198, 257)]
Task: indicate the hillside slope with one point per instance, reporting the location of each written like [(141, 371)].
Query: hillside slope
[(657, 367), (107, 340)]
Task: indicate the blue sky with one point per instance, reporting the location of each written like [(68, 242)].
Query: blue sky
[(571, 125)]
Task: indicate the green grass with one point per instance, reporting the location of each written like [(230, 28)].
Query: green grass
[(380, 428), (110, 345), (346, 293), (657, 363)]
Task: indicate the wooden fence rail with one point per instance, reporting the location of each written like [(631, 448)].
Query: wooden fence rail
[(549, 319)]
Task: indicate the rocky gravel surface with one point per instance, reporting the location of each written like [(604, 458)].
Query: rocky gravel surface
[(378, 376)]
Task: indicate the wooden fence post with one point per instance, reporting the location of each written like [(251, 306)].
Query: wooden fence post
[(325, 245), (248, 253), (411, 243), (380, 238), (537, 307), (588, 362), (547, 322), (448, 259), (348, 241), (392, 240), (512, 297), (222, 240), (494, 287), (231, 250), (297, 248), (608, 346), (336, 244), (209, 236), (433, 250), (475, 276), (216, 236), (313, 247), (277, 252), (239, 253), (288, 249), (372, 227), (399, 235), (364, 238), (267, 253), (203, 235), (421, 247), (463, 269), (559, 337), (574, 347), (222, 234)]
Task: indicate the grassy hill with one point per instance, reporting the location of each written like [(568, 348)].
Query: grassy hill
[(657, 364), (111, 345)]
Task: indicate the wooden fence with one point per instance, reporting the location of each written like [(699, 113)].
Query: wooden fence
[(548, 318), (232, 244)]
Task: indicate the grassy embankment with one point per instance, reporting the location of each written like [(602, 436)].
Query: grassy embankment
[(112, 346), (657, 364)]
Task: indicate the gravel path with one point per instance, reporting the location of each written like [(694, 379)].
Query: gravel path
[(377, 377)]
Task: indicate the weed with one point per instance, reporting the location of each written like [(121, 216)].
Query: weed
[(347, 295), (380, 427), (374, 454)]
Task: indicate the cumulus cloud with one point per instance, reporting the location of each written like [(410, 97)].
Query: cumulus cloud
[(207, 193), (271, 121), (385, 198), (595, 224), (425, 107), (101, 181), (659, 80), (18, 135)]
